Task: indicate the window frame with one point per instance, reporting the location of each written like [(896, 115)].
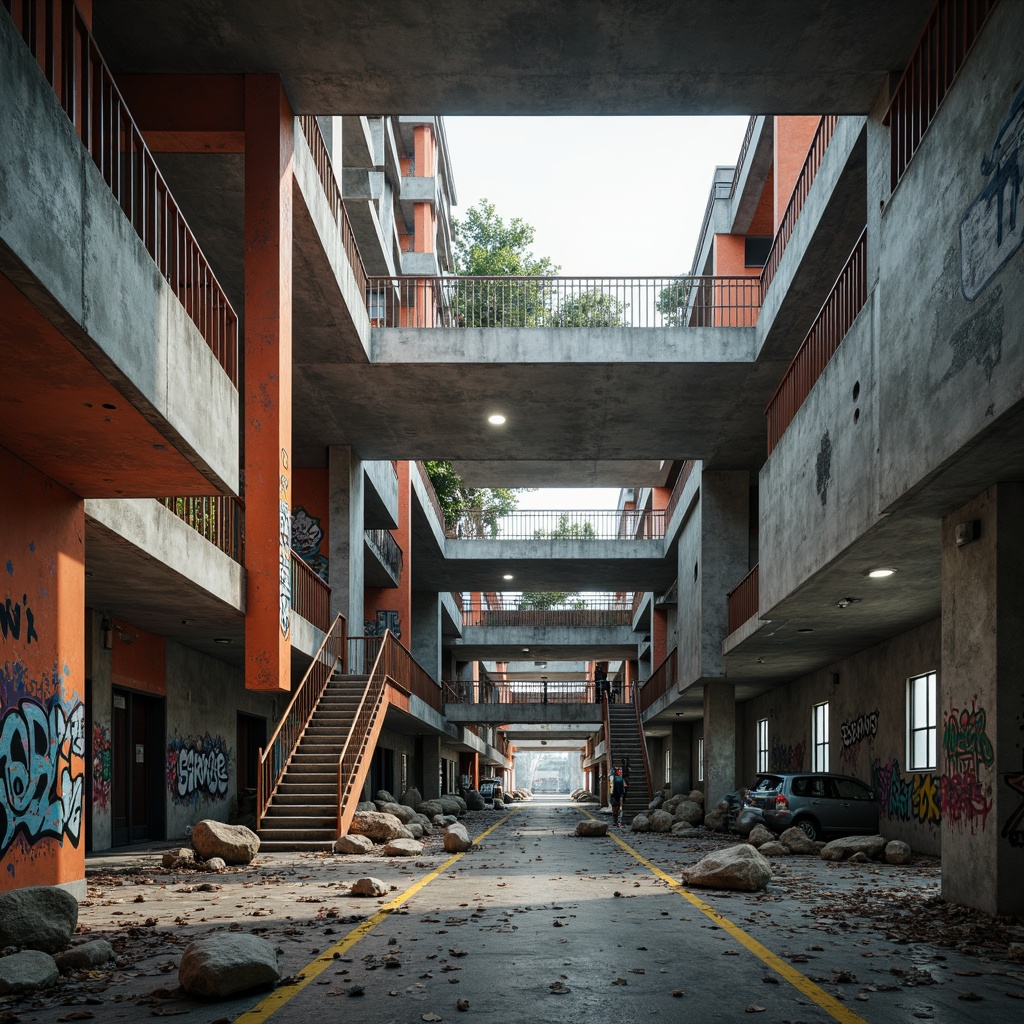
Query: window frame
[(931, 681), (700, 758), (761, 744), (820, 737)]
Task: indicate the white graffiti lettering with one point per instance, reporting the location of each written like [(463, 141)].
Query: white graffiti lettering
[(859, 728), (285, 518), (39, 794), (202, 771)]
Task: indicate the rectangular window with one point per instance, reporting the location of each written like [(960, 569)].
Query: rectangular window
[(922, 729), (762, 744), (819, 737), (668, 767), (700, 759), (756, 249)]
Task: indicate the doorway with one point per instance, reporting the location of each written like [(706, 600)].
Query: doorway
[(251, 736), (137, 749)]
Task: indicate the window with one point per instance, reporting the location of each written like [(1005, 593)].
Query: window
[(700, 759), (922, 732), (851, 789), (819, 737), (756, 249), (762, 744), (668, 767)]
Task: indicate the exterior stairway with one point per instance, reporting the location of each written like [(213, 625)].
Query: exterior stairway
[(626, 747), (303, 813)]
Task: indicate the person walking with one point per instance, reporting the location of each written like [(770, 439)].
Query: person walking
[(617, 793)]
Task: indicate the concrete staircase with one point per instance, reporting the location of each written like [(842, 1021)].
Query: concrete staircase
[(626, 746), (303, 814)]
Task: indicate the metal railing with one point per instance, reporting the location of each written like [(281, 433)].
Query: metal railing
[(311, 597), (387, 550), (719, 190), (220, 519), (660, 681), (519, 691), (677, 490), (569, 610), (64, 48), (587, 302), (948, 36), (274, 759), (645, 756), (812, 164), (431, 493), (363, 651), (830, 326), (325, 169), (748, 137), (559, 524), (743, 600)]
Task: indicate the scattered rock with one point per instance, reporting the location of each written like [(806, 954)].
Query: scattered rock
[(235, 844), (736, 867), (715, 820), (688, 811), (773, 848), (383, 796), (403, 848), (421, 819), (587, 827), (430, 808), (224, 965), (368, 887), (380, 827), (28, 971), (641, 823), (859, 858), (415, 828), (42, 917), (842, 849), (353, 844), (498, 804), (656, 803), (402, 813), (85, 956), (898, 852), (366, 805), (214, 864), (456, 838), (697, 796), (180, 858), (796, 840), (474, 801), (682, 828), (661, 821), (412, 797), (453, 805), (759, 835)]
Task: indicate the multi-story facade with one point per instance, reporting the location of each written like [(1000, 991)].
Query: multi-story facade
[(230, 340)]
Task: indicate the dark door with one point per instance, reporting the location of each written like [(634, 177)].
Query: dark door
[(252, 735), (138, 770)]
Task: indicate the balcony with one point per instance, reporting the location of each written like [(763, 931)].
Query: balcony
[(383, 565), (559, 611)]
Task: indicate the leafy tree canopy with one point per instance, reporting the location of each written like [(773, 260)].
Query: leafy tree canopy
[(591, 309), (485, 246), (567, 530), (673, 302), (470, 511), (535, 601)]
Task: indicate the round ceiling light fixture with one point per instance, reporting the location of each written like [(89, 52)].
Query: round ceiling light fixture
[(496, 419), (880, 574)]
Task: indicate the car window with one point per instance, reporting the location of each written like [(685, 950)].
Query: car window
[(802, 786), (768, 783), (851, 789)]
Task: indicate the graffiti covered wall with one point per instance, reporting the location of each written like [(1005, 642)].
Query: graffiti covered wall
[(42, 688), (198, 769)]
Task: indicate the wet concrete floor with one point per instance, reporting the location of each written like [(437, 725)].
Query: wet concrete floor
[(536, 924)]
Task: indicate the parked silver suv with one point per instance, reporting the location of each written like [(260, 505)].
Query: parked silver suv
[(820, 803)]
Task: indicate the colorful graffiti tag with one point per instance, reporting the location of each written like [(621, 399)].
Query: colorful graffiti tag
[(966, 799), (307, 536), (102, 767), (10, 620), (917, 799), (854, 732), (40, 789), (784, 758), (198, 768)]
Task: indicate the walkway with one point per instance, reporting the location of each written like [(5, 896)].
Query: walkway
[(537, 925)]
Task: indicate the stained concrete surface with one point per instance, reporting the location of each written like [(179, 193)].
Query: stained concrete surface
[(535, 923)]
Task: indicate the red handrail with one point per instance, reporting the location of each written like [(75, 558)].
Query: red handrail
[(660, 681), (743, 600), (220, 519), (677, 490), (311, 597)]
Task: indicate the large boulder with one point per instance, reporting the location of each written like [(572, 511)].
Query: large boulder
[(412, 797), (452, 805), (85, 956), (672, 803), (380, 827), (796, 840), (40, 917), (368, 887), (402, 813), (898, 852), (456, 838), (497, 804), (685, 829), (353, 844), (661, 821), (383, 796), (474, 801), (403, 848), (641, 823), (656, 803), (697, 796), (873, 847), (686, 810), (226, 964), (589, 827), (179, 857), (715, 820), (421, 819), (736, 867), (366, 805), (416, 829), (759, 835), (234, 844), (773, 848), (430, 808), (27, 971)]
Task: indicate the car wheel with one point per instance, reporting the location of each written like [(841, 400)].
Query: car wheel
[(809, 827)]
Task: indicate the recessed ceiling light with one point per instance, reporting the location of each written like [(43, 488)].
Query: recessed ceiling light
[(222, 640), (496, 419), (507, 576), (880, 574)]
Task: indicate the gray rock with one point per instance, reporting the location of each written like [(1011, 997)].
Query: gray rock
[(440, 820), (739, 868), (656, 803), (403, 848), (380, 827), (715, 820), (898, 852), (412, 797), (383, 796), (498, 805), (456, 838), (507, 798), (773, 848), (366, 805), (38, 917), (587, 827), (683, 828), (688, 811), (452, 805), (421, 819), (474, 801), (180, 858), (226, 964), (796, 840), (87, 955), (214, 864), (661, 821), (696, 796), (368, 887), (430, 808), (402, 813), (859, 858), (449, 819), (641, 823), (759, 835), (873, 847), (236, 844), (672, 803), (416, 829), (28, 971), (353, 844)]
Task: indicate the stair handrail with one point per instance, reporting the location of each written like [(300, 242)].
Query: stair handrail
[(635, 701), (610, 766), (277, 755)]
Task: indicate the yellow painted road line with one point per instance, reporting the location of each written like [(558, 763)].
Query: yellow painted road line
[(832, 1006), (270, 1004)]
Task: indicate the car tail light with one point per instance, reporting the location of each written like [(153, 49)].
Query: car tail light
[(781, 803)]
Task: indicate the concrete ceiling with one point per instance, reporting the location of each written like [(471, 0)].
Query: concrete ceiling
[(530, 56)]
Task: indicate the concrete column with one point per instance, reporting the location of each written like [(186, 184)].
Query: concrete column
[(981, 706), (345, 570), (426, 632), (682, 758), (428, 766), (719, 741)]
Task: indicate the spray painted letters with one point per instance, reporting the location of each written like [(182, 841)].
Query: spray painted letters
[(197, 768)]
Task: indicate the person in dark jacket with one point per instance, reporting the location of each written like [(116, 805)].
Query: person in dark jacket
[(617, 793)]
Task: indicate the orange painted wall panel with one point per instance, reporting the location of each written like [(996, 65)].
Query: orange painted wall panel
[(311, 518), (425, 227), (763, 222), (793, 137), (42, 679), (139, 659), (425, 150)]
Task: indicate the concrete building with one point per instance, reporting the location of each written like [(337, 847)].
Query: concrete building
[(230, 342)]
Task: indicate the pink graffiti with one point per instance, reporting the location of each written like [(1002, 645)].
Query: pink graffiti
[(965, 800)]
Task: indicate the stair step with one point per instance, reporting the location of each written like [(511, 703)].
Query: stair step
[(304, 796), (295, 845), (302, 822), (298, 834)]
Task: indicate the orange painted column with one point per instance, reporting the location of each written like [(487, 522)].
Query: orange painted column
[(268, 383), (659, 636), (42, 681)]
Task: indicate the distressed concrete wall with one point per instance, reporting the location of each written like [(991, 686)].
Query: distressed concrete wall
[(867, 697), (426, 632), (347, 537), (99, 715)]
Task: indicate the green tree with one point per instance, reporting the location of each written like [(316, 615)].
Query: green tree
[(567, 530), (487, 246), (536, 601), (674, 302), (470, 511), (591, 309)]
